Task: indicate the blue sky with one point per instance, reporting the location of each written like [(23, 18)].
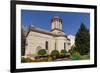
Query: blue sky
[(70, 20)]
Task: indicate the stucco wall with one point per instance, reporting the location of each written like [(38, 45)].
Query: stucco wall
[(35, 39)]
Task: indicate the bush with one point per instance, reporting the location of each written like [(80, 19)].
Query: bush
[(24, 60), (72, 50), (75, 56), (63, 52), (42, 52), (50, 58), (55, 53)]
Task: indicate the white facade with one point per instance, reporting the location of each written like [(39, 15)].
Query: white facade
[(37, 39)]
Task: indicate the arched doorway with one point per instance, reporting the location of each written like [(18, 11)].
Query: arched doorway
[(38, 48)]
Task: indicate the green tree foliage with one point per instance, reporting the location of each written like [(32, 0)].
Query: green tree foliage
[(82, 40), (42, 52)]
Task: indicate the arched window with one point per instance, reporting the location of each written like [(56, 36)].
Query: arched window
[(46, 45), (38, 48), (64, 45)]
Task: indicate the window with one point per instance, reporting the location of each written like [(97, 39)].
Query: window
[(69, 43), (46, 45), (38, 48), (64, 45)]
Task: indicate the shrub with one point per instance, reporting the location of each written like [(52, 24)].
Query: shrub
[(72, 50), (75, 56), (24, 60), (50, 58), (42, 52), (55, 53), (63, 52)]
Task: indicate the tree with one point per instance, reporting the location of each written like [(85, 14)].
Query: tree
[(82, 40)]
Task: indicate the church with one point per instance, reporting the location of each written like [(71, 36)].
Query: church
[(37, 38)]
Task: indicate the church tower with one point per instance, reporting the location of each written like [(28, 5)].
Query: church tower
[(56, 25)]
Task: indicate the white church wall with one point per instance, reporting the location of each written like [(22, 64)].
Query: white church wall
[(60, 43), (35, 39)]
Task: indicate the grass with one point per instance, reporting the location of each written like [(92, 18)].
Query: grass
[(81, 57), (85, 57)]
